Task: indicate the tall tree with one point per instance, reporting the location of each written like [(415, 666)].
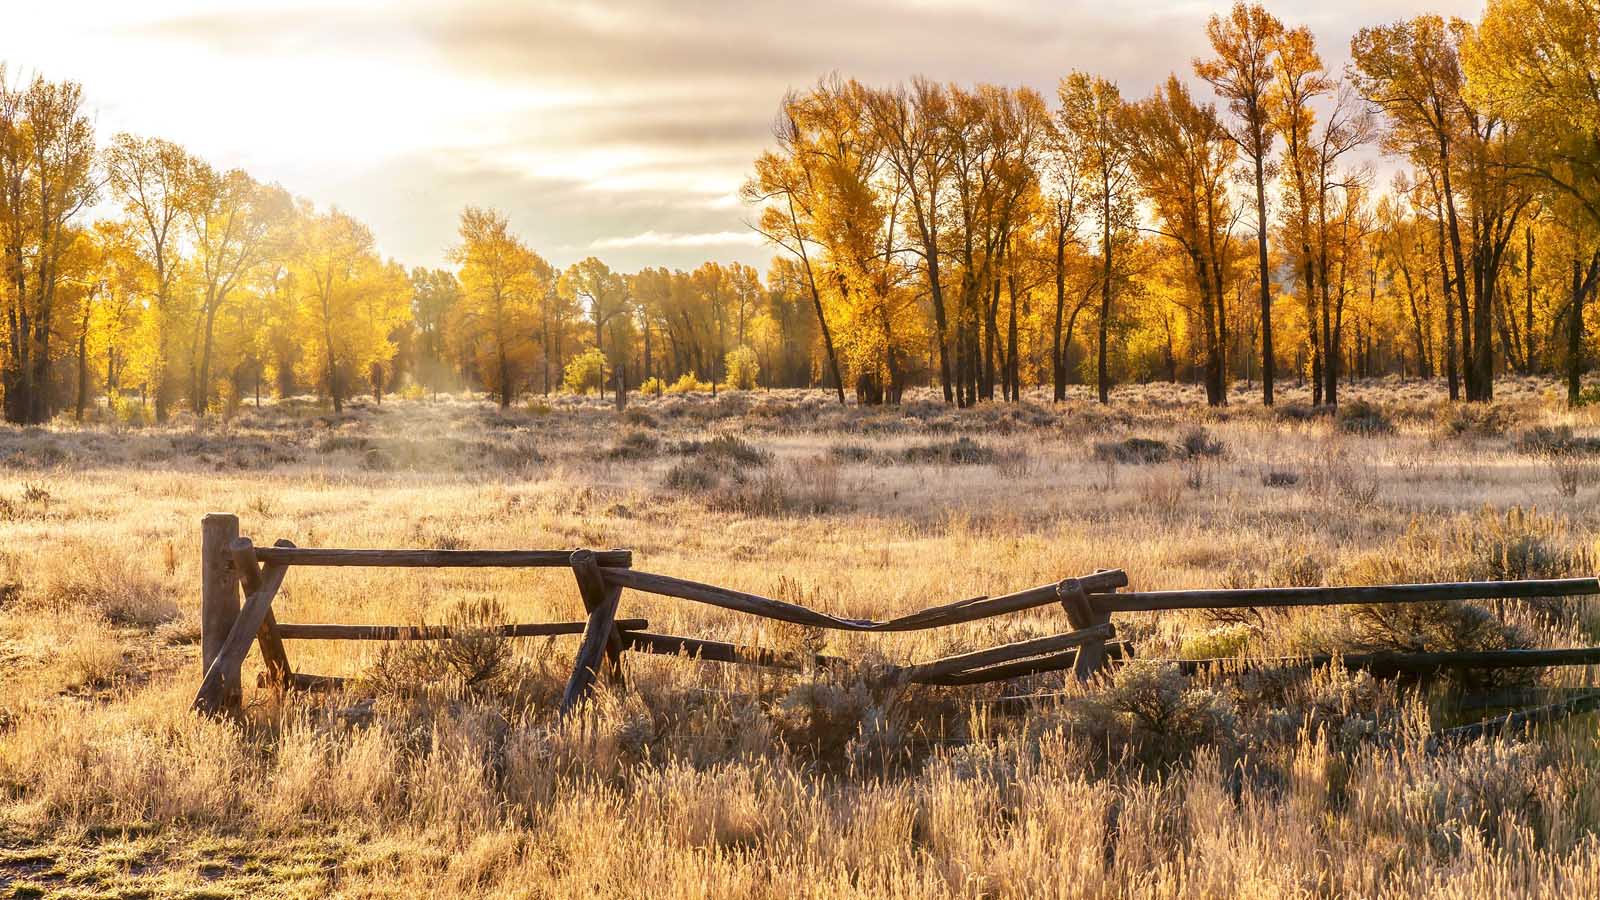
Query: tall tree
[(501, 281), (235, 224), (1243, 73), (1092, 110), (150, 177), (46, 155), (785, 189), (351, 302), (1181, 154), (1534, 62)]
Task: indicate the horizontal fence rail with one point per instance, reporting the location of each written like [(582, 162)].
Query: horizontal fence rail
[(1244, 598), (1410, 662), (934, 617), (328, 632), (435, 559)]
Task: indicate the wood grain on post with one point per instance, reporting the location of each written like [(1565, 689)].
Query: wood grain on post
[(1090, 657), (597, 637), (335, 632), (219, 597), (221, 690), (595, 592), (272, 652)]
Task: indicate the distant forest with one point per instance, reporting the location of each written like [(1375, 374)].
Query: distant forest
[(980, 239)]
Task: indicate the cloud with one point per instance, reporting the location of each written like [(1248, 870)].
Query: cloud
[(671, 239), (615, 126)]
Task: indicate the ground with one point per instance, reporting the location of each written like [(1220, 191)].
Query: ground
[(442, 768)]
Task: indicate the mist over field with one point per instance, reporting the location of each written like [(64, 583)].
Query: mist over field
[(917, 450)]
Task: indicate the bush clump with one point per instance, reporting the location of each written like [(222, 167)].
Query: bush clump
[(1133, 451), (1362, 417), (963, 451), (741, 367), (635, 444), (727, 448), (1545, 440), (1150, 711), (1198, 443)]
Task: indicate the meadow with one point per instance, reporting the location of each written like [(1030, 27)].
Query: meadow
[(442, 769)]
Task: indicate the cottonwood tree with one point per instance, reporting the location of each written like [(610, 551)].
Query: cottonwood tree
[(1092, 111), (1412, 71), (1244, 73), (46, 156), (1534, 63), (501, 282), (1181, 154), (349, 303), (784, 188), (150, 178), (235, 225)]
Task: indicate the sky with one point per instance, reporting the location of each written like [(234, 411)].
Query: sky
[(619, 129)]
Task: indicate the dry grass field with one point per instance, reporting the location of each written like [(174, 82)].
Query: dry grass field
[(443, 770)]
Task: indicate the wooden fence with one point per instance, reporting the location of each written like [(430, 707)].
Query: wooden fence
[(232, 565)]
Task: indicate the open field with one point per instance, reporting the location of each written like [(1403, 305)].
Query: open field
[(437, 773)]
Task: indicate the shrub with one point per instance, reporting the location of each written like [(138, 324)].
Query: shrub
[(475, 661), (1474, 419), (1197, 443), (585, 372), (740, 368), (1150, 711), (1362, 417), (802, 487), (728, 447), (1280, 478), (638, 415), (686, 383), (653, 385), (635, 444), (961, 451), (693, 475), (1218, 642), (1133, 451), (852, 453)]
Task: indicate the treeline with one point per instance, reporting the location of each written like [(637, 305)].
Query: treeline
[(979, 239), (1103, 239)]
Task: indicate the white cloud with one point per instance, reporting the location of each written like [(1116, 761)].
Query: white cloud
[(672, 239)]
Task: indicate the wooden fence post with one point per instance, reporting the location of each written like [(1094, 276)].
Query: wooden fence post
[(602, 645), (220, 690), (219, 592), (1081, 615), (278, 673)]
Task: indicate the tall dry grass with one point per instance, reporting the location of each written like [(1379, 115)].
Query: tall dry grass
[(443, 770)]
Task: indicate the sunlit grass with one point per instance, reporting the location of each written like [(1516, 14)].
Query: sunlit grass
[(698, 779)]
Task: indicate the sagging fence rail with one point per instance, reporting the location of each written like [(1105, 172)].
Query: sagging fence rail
[(233, 566)]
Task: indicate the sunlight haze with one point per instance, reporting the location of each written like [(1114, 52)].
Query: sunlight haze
[(626, 127)]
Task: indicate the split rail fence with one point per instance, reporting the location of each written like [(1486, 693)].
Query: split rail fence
[(232, 566)]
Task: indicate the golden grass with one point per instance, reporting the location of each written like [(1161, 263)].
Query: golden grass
[(701, 780)]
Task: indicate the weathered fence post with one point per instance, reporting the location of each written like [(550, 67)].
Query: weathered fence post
[(602, 645), (220, 690), (278, 673), (219, 592), (1081, 614)]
